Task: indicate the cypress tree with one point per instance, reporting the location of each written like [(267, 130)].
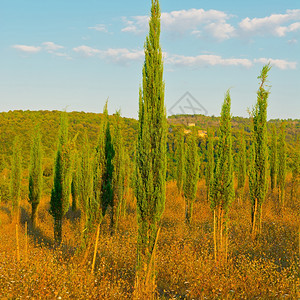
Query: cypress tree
[(241, 163), (209, 170), (191, 175), (273, 158), (222, 191), (259, 185), (150, 157), (281, 179), (107, 198), (35, 175), (119, 170), (16, 177), (60, 194), (86, 188), (180, 155), (75, 185)]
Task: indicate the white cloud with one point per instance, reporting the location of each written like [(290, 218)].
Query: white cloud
[(86, 50), (117, 55), (50, 46), (212, 22), (27, 49), (99, 27), (206, 60), (275, 24), (278, 63)]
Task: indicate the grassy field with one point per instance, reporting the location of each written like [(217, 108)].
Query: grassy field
[(265, 268)]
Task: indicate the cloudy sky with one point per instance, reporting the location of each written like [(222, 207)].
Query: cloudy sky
[(73, 54)]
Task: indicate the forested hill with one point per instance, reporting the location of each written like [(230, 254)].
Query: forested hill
[(22, 123)]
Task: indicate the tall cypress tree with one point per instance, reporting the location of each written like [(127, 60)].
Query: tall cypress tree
[(241, 163), (180, 157), (119, 170), (60, 194), (281, 179), (191, 175), (222, 192), (273, 158), (150, 157), (35, 175), (16, 177), (209, 169), (258, 176)]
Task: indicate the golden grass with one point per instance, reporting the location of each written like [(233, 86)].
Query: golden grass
[(267, 268)]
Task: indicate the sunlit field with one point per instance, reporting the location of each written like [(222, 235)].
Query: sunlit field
[(265, 268)]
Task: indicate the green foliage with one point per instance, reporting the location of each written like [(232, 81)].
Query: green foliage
[(16, 175), (273, 158), (75, 185), (242, 161), (59, 203), (209, 170), (295, 173), (258, 176), (35, 174), (151, 148), (119, 169), (222, 191), (180, 156), (191, 175), (281, 179)]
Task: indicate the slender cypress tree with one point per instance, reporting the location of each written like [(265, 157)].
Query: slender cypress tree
[(60, 194), (75, 185), (35, 175), (281, 165), (191, 175), (150, 157), (119, 170), (259, 165), (107, 198), (222, 191), (180, 155), (241, 163), (273, 158), (209, 170), (86, 188), (16, 177)]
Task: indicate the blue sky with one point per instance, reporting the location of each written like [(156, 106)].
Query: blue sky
[(74, 54)]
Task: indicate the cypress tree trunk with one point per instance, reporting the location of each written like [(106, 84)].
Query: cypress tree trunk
[(222, 190), (150, 159), (258, 184)]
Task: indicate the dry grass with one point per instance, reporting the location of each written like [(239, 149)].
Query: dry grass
[(267, 268)]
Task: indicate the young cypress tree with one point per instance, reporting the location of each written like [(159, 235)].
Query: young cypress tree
[(107, 198), (191, 175), (241, 163), (281, 165), (16, 177), (222, 191), (273, 158), (86, 188), (150, 157), (119, 170), (75, 185), (60, 194), (35, 175), (259, 185), (180, 155), (209, 170)]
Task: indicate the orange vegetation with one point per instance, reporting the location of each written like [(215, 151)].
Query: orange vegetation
[(266, 268)]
